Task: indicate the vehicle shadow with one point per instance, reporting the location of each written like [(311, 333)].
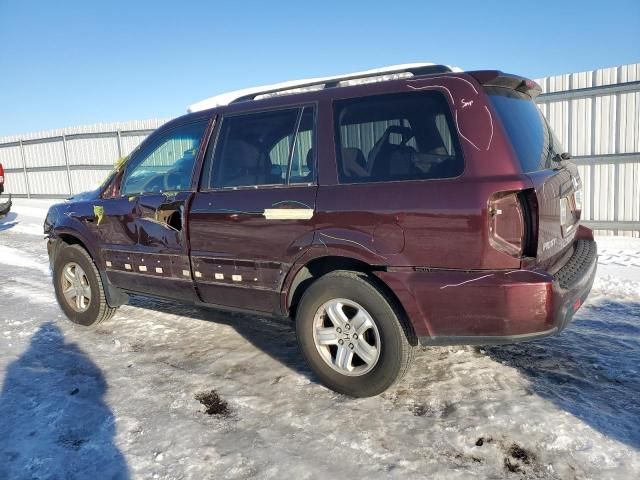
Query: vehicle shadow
[(8, 221), (54, 422), (591, 370), (274, 336)]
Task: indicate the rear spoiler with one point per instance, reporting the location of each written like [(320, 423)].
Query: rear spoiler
[(496, 78)]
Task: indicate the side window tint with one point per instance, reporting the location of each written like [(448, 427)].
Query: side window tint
[(396, 137), (262, 149), (167, 165)]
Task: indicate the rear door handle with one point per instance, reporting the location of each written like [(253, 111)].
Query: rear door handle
[(283, 213)]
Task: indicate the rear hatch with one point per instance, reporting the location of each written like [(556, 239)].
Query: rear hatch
[(556, 182)]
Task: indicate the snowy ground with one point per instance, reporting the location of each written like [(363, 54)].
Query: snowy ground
[(119, 401)]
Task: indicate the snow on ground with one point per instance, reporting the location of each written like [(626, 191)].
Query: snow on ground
[(118, 401)]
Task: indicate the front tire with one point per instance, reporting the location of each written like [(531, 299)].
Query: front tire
[(352, 335), (79, 288)]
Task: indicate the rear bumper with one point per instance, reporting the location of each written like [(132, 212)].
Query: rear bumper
[(479, 308)]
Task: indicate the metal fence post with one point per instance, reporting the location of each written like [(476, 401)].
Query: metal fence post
[(24, 169), (569, 144), (592, 167), (66, 161), (119, 137), (618, 149)]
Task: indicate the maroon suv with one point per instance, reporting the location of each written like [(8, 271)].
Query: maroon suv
[(422, 206)]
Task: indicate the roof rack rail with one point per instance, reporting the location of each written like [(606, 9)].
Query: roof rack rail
[(391, 72), (335, 82)]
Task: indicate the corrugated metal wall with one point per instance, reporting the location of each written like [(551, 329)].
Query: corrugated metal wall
[(595, 114), (57, 163)]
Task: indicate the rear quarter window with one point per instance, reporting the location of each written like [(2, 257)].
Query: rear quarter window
[(405, 136)]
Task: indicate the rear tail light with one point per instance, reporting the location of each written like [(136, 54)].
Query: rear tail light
[(566, 212), (513, 223), (1, 175), (577, 197)]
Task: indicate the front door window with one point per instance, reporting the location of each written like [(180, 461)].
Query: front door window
[(167, 164)]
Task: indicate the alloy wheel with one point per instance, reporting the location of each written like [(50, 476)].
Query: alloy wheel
[(346, 337), (75, 287)]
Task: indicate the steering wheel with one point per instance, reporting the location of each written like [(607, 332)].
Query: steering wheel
[(168, 185), (163, 182)]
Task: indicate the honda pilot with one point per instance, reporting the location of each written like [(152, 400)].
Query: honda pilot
[(411, 205)]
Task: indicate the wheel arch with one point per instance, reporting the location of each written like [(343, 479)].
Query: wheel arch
[(114, 296), (320, 266), (71, 239)]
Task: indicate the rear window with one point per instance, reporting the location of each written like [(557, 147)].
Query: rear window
[(531, 137), (407, 136)]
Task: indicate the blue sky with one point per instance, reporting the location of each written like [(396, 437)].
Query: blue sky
[(72, 62)]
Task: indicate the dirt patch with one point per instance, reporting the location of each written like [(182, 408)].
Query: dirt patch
[(213, 403), (519, 453), (482, 440), (421, 411), (517, 457)]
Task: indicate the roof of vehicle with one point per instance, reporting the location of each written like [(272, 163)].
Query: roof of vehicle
[(390, 72)]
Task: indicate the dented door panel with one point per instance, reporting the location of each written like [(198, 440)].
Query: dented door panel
[(155, 259), (163, 241), (160, 221), (111, 220), (158, 262)]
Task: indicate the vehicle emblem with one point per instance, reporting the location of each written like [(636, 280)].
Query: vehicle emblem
[(549, 244)]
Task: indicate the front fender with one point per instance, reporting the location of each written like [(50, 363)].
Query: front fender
[(63, 220)]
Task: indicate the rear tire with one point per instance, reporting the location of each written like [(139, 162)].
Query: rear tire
[(352, 335), (76, 275)]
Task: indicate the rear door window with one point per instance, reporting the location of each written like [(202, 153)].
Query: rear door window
[(265, 148), (531, 137), (407, 136)]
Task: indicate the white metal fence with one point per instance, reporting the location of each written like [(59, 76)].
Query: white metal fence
[(595, 114), (58, 163)]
